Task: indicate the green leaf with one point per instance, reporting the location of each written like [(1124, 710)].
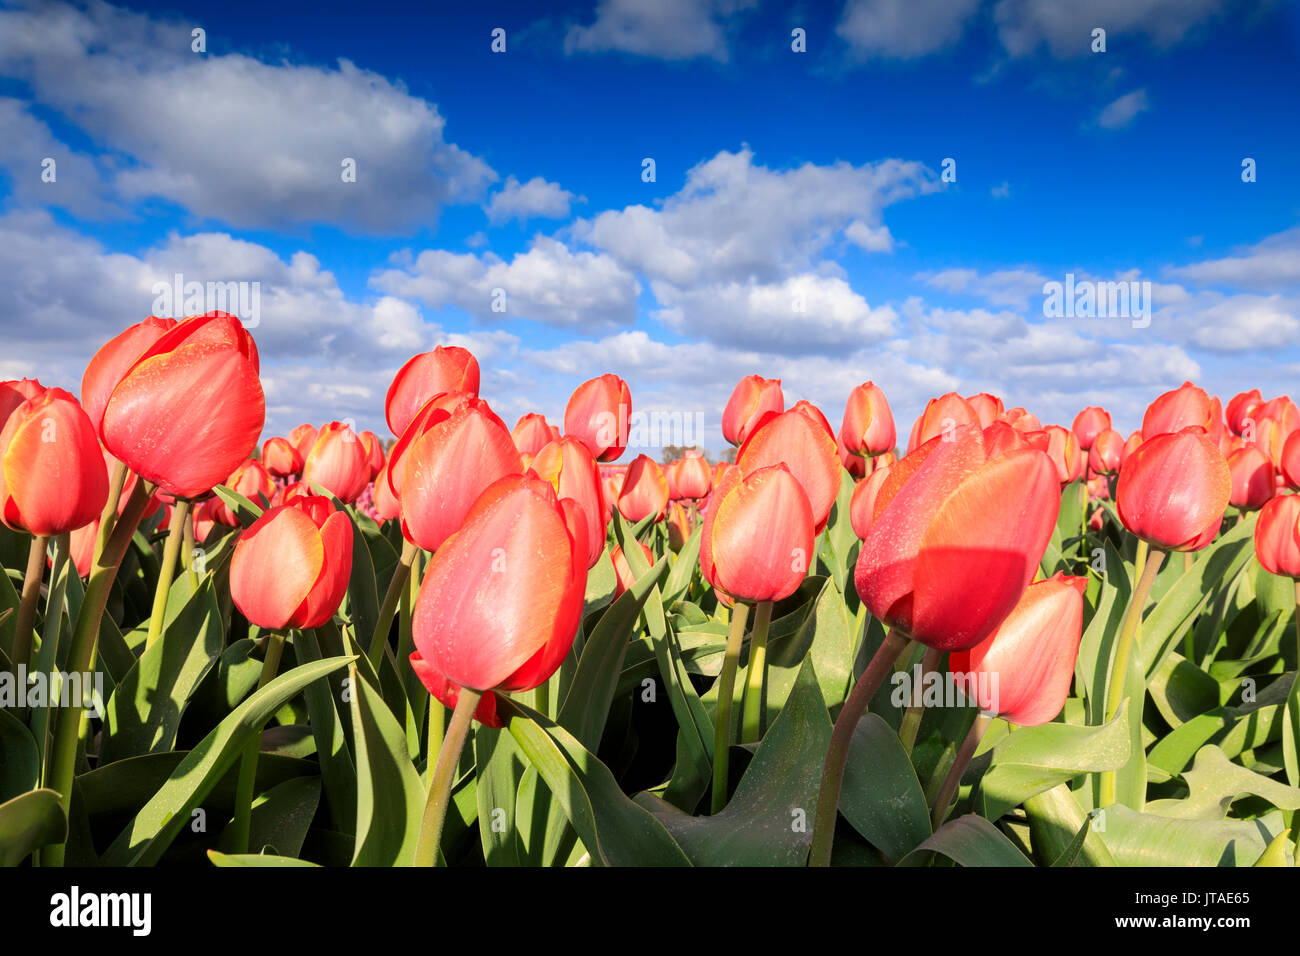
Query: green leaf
[(338, 772), (601, 583), (390, 795), (616, 831), (824, 633), (363, 596), (882, 798), (29, 822), (245, 510), (20, 769), (1031, 760), (283, 814), (1214, 782), (254, 859), (1147, 839), (145, 710), (499, 767), (1053, 816), (684, 565), (147, 837), (969, 840)]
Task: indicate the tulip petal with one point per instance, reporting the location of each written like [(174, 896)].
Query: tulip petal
[(276, 562)]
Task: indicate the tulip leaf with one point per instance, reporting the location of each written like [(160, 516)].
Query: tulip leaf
[(1275, 854), (144, 713), (586, 706), (390, 795), (147, 837), (282, 815), (1214, 782), (362, 593), (9, 601), (254, 859), (338, 773), (499, 767), (824, 633), (243, 508), (601, 583), (1062, 833), (1181, 690), (21, 768), (28, 822), (1148, 839), (882, 798), (615, 830), (1030, 760), (1097, 648), (684, 565), (968, 840), (769, 820)]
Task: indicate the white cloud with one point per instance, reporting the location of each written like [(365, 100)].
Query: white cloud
[(535, 199), (1066, 28), (1001, 192), (1268, 264), (1123, 110), (878, 239), (665, 29), (234, 139), (903, 29), (26, 144), (1009, 287)]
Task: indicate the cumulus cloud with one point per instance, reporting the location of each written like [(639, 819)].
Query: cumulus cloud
[(1066, 28), (1274, 262), (1122, 111), (535, 199), (903, 29), (664, 29)]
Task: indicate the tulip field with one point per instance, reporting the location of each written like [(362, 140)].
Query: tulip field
[(981, 640)]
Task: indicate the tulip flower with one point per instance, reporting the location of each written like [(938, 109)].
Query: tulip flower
[(679, 525), (624, 578), (497, 611), (597, 415), (1106, 454), (855, 465), (1000, 438), (692, 478), (751, 400), (802, 440), (107, 367), (573, 473), (1241, 408), (988, 408), (1088, 424), (447, 692), (250, 479), (1186, 405), (374, 453), (863, 503), (1274, 423), (387, 507), (942, 415), (1173, 490), (644, 492), (448, 368), (13, 394), (868, 427), (454, 458), (532, 433), (338, 462), (611, 486), (281, 457), (436, 410), (291, 567), (1063, 449), (1254, 480), (1277, 536), (190, 409), (1021, 420), (303, 437)]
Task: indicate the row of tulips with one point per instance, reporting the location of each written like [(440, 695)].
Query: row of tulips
[(495, 601)]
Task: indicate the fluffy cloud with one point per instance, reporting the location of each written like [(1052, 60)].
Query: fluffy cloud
[(903, 29), (1269, 264), (665, 29), (1011, 287), (535, 199), (231, 138), (1122, 111), (1066, 28)]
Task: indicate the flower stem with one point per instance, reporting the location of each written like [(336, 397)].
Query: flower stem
[(828, 799), (31, 596), (242, 825), (392, 597), (722, 719), (751, 727), (916, 710), (444, 773), (958, 768), (189, 555), (175, 535), (81, 653), (108, 517), (1149, 561)]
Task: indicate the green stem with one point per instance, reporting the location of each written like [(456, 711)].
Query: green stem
[(31, 596), (958, 768), (1149, 561), (444, 772), (191, 574), (1083, 519), (81, 652), (392, 597), (837, 755), (916, 710), (175, 537), (437, 727), (242, 825), (108, 517), (751, 727), (722, 719)]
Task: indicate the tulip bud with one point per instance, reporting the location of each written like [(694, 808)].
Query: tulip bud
[(1022, 420), (1184, 406), (1090, 423), (802, 440), (302, 438), (1107, 452), (988, 408), (679, 525), (597, 415), (692, 477), (1173, 489), (250, 480), (758, 535), (111, 362), (13, 394), (941, 417), (1027, 664), (338, 462), (448, 368), (1242, 407), (190, 409), (868, 427), (281, 458), (1277, 536), (291, 566), (1254, 480), (52, 475), (374, 453), (573, 473), (751, 400), (644, 491), (624, 578), (532, 433), (862, 505), (1063, 449)]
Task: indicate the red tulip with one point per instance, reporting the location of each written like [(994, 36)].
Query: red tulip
[(191, 407), (1090, 423), (1242, 408), (448, 693), (679, 525), (374, 453), (250, 479), (1000, 438), (202, 516), (532, 433), (291, 566), (387, 507), (1022, 420), (13, 394), (1173, 489), (644, 491), (862, 506), (52, 475), (623, 571), (956, 537), (448, 368), (692, 477), (611, 486), (1184, 406), (107, 367), (338, 462), (1254, 479), (81, 547), (1107, 452), (447, 466), (752, 399), (1063, 448), (573, 473), (758, 537), (1277, 536), (1274, 423), (436, 410), (597, 415), (302, 438), (1027, 664), (281, 458), (941, 415), (855, 465), (988, 407), (502, 598), (868, 427), (802, 440)]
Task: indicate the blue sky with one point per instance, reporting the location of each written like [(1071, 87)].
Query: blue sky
[(781, 177)]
